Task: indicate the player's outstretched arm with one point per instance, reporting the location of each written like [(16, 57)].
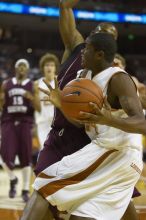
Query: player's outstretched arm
[(70, 35), (53, 95)]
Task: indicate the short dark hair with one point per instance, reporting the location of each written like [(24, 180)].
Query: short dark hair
[(104, 42)]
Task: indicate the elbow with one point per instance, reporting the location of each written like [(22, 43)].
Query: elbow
[(142, 128)]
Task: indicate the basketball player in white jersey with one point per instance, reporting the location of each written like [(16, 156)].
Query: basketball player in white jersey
[(97, 182), (49, 64), (67, 37)]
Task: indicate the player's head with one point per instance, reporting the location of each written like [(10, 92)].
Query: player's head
[(99, 51), (106, 27), (21, 68), (119, 61), (49, 64)]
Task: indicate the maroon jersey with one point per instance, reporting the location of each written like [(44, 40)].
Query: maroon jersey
[(16, 106), (64, 138), (68, 72)]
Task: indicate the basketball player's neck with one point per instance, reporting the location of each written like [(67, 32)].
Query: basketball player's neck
[(20, 78), (49, 77), (99, 68)]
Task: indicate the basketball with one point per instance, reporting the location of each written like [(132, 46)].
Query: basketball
[(77, 94)]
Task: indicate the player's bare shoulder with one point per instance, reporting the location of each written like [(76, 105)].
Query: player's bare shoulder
[(122, 82)]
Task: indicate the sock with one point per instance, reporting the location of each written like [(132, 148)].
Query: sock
[(26, 174), (10, 172)]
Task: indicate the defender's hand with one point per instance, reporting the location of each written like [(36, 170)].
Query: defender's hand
[(53, 95)]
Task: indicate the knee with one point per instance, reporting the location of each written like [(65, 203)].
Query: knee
[(41, 203), (35, 208)]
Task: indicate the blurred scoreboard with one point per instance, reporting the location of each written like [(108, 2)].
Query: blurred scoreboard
[(17, 8)]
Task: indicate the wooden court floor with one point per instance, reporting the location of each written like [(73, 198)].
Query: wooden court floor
[(11, 209), (14, 214)]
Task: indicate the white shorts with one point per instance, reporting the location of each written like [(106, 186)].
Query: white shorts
[(43, 130), (93, 182)]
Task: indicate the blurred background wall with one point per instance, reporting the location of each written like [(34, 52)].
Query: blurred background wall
[(26, 35)]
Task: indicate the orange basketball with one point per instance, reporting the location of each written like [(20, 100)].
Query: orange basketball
[(77, 94)]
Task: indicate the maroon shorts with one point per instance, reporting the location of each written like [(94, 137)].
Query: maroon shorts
[(136, 193), (16, 139)]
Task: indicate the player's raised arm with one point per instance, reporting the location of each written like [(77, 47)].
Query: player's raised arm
[(53, 95), (70, 35)]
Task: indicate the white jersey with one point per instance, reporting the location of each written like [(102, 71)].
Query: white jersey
[(110, 137), (47, 109), (98, 180), (45, 117)]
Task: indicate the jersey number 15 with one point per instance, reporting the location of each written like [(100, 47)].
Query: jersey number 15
[(17, 100)]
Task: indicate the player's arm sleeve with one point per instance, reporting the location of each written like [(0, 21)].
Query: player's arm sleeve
[(122, 86), (36, 100), (70, 35)]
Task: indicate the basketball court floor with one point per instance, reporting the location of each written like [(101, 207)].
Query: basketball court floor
[(10, 209)]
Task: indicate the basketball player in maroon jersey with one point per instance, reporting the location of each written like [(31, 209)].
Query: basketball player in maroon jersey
[(62, 141), (19, 99)]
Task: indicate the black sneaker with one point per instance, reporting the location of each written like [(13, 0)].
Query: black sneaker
[(25, 195), (12, 191)]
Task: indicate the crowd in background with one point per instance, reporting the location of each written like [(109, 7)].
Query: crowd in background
[(136, 65)]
